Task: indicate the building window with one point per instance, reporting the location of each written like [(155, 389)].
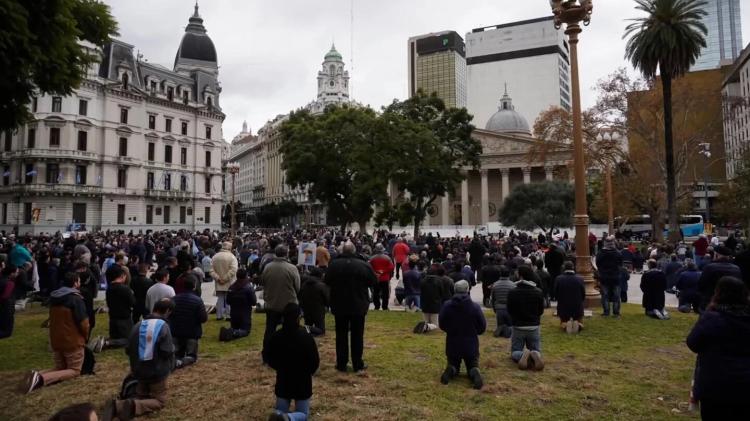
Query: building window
[(30, 173), (54, 137), (5, 214), (123, 116), (152, 122), (81, 174), (83, 107), (170, 93), (208, 159), (166, 214), (153, 87), (27, 213), (208, 132), (122, 178), (120, 214), (167, 181), (184, 128), (151, 151), (168, 154), (82, 140), (34, 103), (168, 125), (8, 141), (53, 173), (183, 212), (125, 81), (183, 183), (6, 175), (183, 156), (149, 181), (149, 214), (123, 146), (185, 97), (207, 215), (31, 139), (208, 184), (56, 104)]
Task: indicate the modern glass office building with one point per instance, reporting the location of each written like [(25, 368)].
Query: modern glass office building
[(724, 39)]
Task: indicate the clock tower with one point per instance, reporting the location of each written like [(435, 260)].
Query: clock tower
[(333, 80)]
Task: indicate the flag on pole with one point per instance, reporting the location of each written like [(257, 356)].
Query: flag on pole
[(32, 172), (6, 174), (59, 177), (99, 180)]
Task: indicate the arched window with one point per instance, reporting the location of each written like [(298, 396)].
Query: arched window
[(333, 70), (125, 80), (209, 102)]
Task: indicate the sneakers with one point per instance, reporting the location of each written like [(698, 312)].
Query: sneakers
[(419, 328), (448, 375), (32, 381), (362, 367), (569, 327), (523, 363), (476, 378), (576, 326), (99, 344), (498, 332), (278, 416), (536, 358)]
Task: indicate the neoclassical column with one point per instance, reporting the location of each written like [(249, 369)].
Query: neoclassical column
[(526, 175), (485, 199), (549, 172), (445, 209), (505, 172), (465, 200)]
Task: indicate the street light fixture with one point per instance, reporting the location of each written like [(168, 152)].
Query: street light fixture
[(572, 13), (233, 168), (705, 150)]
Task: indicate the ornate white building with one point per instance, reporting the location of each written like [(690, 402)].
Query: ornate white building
[(137, 147)]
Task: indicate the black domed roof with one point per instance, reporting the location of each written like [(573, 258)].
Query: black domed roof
[(196, 44)]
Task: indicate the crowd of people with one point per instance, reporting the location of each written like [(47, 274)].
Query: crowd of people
[(153, 284)]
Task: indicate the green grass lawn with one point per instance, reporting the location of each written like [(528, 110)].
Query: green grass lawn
[(632, 368)]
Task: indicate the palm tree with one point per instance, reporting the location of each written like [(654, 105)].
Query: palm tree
[(669, 38)]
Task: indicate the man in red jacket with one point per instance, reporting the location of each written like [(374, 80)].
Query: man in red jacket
[(400, 254), (383, 267)]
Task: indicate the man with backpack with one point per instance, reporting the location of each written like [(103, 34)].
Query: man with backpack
[(151, 354)]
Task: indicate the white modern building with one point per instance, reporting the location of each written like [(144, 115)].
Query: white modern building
[(736, 108), (530, 56), (137, 147), (724, 38)]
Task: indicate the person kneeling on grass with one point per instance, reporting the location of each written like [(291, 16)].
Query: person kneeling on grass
[(151, 353), (499, 297), (463, 321), (241, 298), (653, 284), (293, 353), (68, 330), (120, 302), (314, 298), (571, 293), (185, 323), (526, 306)]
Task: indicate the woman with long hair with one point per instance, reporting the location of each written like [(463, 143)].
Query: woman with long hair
[(721, 338)]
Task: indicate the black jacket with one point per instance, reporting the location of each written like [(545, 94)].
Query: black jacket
[(241, 299), (742, 260), (140, 285), (120, 301), (571, 293), (710, 276), (553, 261), (525, 304), (608, 263), (313, 297), (293, 353), (653, 284), (434, 291), (189, 314), (349, 278), (722, 341), (463, 321)]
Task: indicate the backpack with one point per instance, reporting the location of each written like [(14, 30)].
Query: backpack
[(88, 362), (128, 388)]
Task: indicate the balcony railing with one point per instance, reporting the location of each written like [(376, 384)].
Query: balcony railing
[(168, 194), (51, 153), (51, 188)]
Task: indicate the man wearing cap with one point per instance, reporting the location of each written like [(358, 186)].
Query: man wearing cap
[(223, 271), (463, 321), (721, 266), (608, 265)]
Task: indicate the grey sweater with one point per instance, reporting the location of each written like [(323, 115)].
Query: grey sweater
[(500, 290)]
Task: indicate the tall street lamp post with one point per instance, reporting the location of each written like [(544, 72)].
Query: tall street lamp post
[(572, 13), (233, 168), (706, 152)]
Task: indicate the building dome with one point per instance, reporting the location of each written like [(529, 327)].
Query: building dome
[(333, 55), (196, 44), (507, 119)]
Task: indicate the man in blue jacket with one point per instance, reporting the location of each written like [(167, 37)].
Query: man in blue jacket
[(463, 321), (186, 320)]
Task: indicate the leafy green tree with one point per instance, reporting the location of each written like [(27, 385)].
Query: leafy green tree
[(668, 39), (547, 205), (430, 146), (733, 204), (337, 155), (41, 51)]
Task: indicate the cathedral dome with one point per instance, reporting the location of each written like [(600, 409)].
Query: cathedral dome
[(333, 55), (508, 120), (196, 44)]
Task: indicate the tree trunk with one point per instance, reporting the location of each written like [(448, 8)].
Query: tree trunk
[(362, 226), (666, 81), (419, 211), (657, 229)]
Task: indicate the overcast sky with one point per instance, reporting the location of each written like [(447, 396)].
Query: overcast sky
[(270, 51)]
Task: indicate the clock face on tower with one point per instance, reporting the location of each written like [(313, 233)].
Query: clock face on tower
[(331, 83)]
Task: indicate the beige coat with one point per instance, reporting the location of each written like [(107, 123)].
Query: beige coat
[(224, 270)]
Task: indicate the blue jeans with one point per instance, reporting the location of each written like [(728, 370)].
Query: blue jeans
[(222, 308), (531, 339), (301, 408), (412, 299), (610, 294)]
